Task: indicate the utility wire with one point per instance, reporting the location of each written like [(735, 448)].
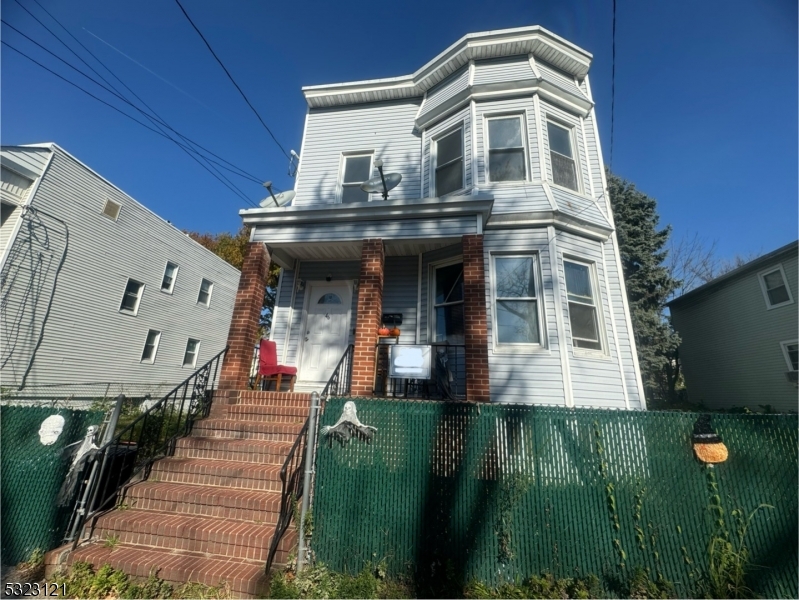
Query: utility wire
[(249, 175), (127, 115), (613, 87), (153, 121), (233, 81)]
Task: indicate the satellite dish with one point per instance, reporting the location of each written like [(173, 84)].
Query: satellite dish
[(280, 199), (375, 184)]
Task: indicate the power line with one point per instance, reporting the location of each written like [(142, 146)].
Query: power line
[(153, 121), (233, 81), (613, 87), (237, 192)]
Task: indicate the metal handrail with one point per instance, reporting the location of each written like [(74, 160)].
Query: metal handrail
[(149, 437), (293, 486)]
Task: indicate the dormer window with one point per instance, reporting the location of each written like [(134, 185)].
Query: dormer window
[(355, 170), (561, 154), (506, 149), (449, 163)]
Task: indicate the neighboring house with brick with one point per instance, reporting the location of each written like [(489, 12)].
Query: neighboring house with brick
[(739, 335), (497, 248), (98, 293)]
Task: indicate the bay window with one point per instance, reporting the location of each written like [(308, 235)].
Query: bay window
[(516, 300)]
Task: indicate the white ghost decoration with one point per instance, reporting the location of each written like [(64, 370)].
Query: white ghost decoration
[(51, 429)]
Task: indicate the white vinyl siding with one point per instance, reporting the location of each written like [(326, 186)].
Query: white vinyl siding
[(445, 91), (501, 70)]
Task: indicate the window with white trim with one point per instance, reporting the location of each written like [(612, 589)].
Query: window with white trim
[(132, 297), (790, 350), (517, 300), (192, 350), (581, 296), (168, 280), (204, 297), (561, 154), (150, 346), (775, 287), (448, 323), (448, 150), (507, 152), (355, 170)]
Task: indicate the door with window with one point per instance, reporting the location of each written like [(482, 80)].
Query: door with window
[(326, 330), (449, 329)]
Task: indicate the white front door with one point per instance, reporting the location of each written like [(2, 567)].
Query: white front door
[(326, 329)]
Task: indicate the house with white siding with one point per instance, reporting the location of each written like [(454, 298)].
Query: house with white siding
[(98, 294), (496, 249), (739, 335)]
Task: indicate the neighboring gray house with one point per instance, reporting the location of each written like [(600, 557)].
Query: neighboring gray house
[(99, 295), (739, 335), (497, 247)]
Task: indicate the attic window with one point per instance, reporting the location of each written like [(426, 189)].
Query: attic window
[(111, 210)]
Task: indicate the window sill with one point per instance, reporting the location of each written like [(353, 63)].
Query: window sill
[(506, 349), (583, 353), (167, 292), (780, 305), (130, 313), (578, 191)]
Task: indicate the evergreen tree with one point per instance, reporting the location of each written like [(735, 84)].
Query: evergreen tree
[(649, 283)]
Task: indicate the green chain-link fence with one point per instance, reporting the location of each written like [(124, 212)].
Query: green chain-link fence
[(32, 474), (499, 492)]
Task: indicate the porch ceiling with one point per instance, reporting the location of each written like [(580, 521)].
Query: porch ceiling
[(286, 254)]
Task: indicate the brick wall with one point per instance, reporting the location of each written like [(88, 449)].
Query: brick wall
[(243, 332), (474, 315), (370, 312)]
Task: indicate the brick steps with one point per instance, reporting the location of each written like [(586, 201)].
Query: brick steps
[(208, 513), (188, 499)]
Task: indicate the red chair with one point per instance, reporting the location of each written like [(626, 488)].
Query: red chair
[(269, 369)]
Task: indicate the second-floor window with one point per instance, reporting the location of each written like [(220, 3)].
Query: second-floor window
[(357, 169), (150, 346), (561, 154), (582, 306), (204, 297), (170, 273), (449, 163), (131, 297), (506, 149)]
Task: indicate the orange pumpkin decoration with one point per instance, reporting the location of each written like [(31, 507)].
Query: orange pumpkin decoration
[(383, 331), (395, 332)]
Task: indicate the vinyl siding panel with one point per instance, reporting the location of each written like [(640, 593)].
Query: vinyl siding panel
[(730, 349), (511, 68), (578, 206), (400, 287), (360, 230), (32, 160), (445, 90), (281, 316), (386, 129), (86, 338), (515, 376), (11, 214), (596, 380), (556, 77), (592, 148), (441, 128), (13, 187), (428, 258)]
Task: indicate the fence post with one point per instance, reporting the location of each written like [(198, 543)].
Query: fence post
[(310, 443)]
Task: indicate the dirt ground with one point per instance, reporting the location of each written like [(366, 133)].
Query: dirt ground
[(13, 575)]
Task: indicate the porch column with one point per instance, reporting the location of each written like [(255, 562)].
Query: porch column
[(370, 314), (244, 326), (474, 317)]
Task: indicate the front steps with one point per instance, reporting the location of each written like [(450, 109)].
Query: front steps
[(208, 513)]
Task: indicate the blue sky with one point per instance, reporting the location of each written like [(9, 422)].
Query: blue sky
[(706, 94)]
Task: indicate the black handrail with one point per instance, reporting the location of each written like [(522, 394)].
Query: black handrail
[(149, 437), (291, 473)]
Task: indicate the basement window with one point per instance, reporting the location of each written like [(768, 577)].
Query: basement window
[(111, 209)]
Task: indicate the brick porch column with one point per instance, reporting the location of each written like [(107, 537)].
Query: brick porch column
[(243, 332), (474, 316), (370, 314)]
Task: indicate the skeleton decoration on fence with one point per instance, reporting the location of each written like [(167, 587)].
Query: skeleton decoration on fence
[(82, 453), (708, 446), (348, 426)]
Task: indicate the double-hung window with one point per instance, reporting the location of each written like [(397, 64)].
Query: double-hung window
[(582, 306), (192, 350), (775, 287), (132, 297), (561, 154), (448, 304), (790, 350), (204, 297), (356, 170), (168, 281), (506, 149), (449, 163), (517, 299), (150, 346)]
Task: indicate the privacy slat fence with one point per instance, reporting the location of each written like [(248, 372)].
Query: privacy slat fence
[(498, 492)]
